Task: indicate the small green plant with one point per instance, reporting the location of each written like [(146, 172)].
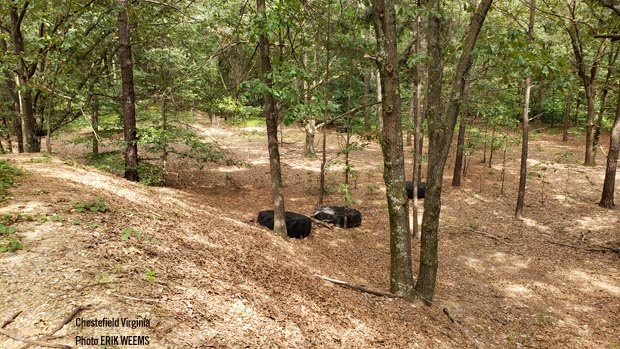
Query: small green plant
[(77, 223), (6, 230), (117, 268), (10, 245), (511, 337), (149, 275), (372, 189), (95, 205), (58, 218), (42, 218), (7, 175), (541, 318), (128, 232)]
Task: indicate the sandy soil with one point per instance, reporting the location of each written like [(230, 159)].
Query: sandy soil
[(207, 276)]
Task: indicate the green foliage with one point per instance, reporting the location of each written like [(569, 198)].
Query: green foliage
[(9, 242), (114, 162), (234, 111), (126, 233), (96, 205), (149, 275), (7, 175)]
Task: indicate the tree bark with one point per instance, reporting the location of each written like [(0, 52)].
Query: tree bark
[(525, 124), (128, 97), (460, 143), (605, 90), (607, 196), (31, 142), (279, 224), (95, 122), (401, 273), (441, 129), (417, 127)]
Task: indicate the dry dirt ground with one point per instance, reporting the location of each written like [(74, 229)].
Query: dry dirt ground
[(191, 259)]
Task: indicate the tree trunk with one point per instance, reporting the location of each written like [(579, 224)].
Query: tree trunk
[(460, 143), (417, 128), (310, 127), (366, 97), (607, 197), (569, 102), (599, 122), (525, 124), (31, 142), (441, 129), (380, 105), (401, 273), (129, 110), (279, 224), (95, 122)]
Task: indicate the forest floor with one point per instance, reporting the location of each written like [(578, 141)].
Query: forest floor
[(191, 258)]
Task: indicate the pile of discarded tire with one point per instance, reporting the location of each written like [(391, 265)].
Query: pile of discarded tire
[(336, 215), (297, 225)]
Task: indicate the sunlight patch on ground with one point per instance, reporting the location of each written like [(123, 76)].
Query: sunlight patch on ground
[(534, 224), (592, 283), (601, 222), (517, 291)]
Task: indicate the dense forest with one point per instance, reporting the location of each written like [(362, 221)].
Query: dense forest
[(167, 92)]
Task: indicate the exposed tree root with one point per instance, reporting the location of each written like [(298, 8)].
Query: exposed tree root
[(358, 288)]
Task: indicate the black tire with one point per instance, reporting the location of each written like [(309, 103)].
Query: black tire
[(421, 190), (335, 215), (297, 226)]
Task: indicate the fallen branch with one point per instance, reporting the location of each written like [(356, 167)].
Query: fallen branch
[(65, 321), (591, 249), (358, 288), (146, 300), (487, 235), (329, 226), (33, 342), (9, 318)]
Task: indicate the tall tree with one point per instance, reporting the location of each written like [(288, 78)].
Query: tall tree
[(525, 122), (607, 197), (441, 128), (128, 95), (401, 274), (271, 117)]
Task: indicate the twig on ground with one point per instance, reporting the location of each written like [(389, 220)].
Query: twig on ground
[(487, 235), (329, 226), (598, 248), (358, 288), (146, 300), (33, 342), (60, 325), (10, 318)]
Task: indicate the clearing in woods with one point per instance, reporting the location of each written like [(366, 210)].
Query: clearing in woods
[(191, 259)]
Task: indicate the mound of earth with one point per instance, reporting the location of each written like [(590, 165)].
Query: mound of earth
[(201, 279)]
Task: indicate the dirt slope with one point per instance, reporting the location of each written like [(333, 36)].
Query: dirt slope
[(202, 278)]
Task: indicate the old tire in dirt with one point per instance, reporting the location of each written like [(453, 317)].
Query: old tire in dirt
[(421, 190), (297, 226), (335, 215)]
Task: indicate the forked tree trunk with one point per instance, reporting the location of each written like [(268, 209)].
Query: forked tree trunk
[(603, 102), (525, 124), (607, 197), (401, 272), (441, 129), (129, 108), (279, 222)]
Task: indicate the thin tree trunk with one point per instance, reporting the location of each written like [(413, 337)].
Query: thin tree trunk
[(607, 196), (525, 124), (129, 109), (441, 130), (417, 127), (492, 147), (569, 102), (164, 126), (460, 143), (366, 97), (279, 223), (325, 97), (401, 273), (310, 122), (599, 122), (95, 122)]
